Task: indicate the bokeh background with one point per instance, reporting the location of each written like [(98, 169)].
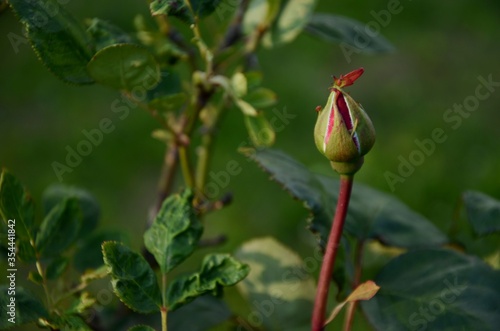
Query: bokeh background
[(442, 47)]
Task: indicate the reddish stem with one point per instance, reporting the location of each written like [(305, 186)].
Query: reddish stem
[(325, 276), (357, 279)]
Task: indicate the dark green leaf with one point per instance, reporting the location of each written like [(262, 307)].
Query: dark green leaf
[(59, 40), (169, 103), (66, 322), (254, 79), (106, 34), (57, 267), (179, 9), (25, 251), (175, 232), (372, 214), (170, 84), (483, 212), (167, 95), (279, 283), (291, 20), (141, 328), (91, 211), (176, 8), (435, 289), (27, 308), (73, 323), (204, 8), (260, 130), (126, 67), (16, 205), (134, 282), (261, 98), (343, 30), (59, 228), (217, 271), (209, 312), (88, 254), (35, 277)]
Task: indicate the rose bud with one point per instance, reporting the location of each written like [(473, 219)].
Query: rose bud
[(343, 131)]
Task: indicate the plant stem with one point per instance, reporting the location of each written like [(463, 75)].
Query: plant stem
[(168, 172), (41, 272), (320, 303), (204, 151), (234, 32), (164, 309), (351, 309), (164, 319), (186, 167)]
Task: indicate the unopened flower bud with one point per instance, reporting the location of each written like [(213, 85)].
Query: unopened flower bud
[(344, 133)]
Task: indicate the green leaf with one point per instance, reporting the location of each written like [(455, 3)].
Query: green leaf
[(483, 212), (25, 251), (339, 29), (261, 98), (169, 103), (292, 19), (167, 96), (209, 312), (141, 328), (179, 9), (26, 306), (217, 271), (88, 254), (239, 84), (81, 304), (89, 206), (435, 289), (106, 34), (246, 108), (94, 274), (254, 79), (65, 322), (57, 267), (170, 84), (35, 277), (372, 214), (16, 204), (175, 232), (59, 228), (260, 130), (126, 67), (203, 8), (260, 14), (134, 282), (59, 40), (279, 284)]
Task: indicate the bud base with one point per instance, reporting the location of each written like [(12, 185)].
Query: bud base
[(347, 168)]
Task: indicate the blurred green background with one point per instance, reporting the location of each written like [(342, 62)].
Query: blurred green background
[(441, 50)]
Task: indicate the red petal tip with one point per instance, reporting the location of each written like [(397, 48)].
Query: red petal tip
[(348, 79)]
